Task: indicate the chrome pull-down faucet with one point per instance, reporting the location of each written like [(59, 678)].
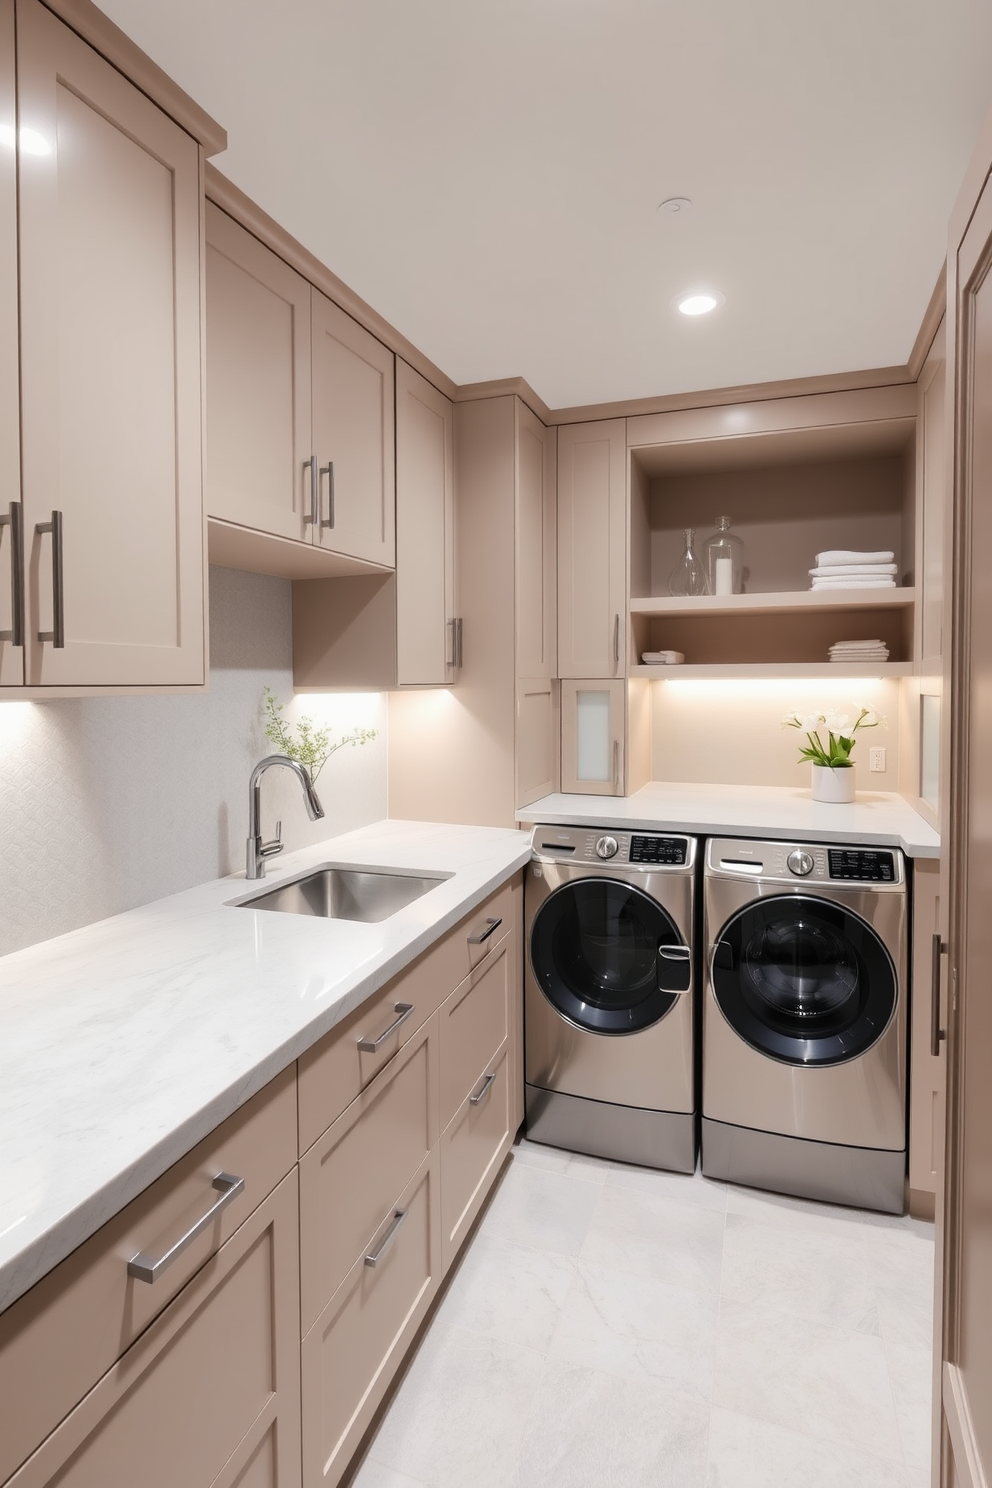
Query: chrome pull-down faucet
[(258, 850)]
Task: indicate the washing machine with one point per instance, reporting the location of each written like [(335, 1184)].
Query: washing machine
[(805, 1020), (609, 992)]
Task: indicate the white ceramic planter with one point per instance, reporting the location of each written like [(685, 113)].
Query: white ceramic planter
[(833, 783)]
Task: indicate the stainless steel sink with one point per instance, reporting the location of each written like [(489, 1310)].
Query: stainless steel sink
[(368, 894)]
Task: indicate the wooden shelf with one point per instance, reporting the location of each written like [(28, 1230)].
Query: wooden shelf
[(807, 600), (716, 672)]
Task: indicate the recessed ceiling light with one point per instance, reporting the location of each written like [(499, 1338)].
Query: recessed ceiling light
[(700, 303)]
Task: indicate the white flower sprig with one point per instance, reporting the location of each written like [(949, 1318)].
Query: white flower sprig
[(835, 754)]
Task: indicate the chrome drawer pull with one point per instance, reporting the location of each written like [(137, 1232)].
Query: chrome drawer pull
[(149, 1268), (372, 1046), (480, 1095), (375, 1256), (938, 948), (484, 935), (15, 520), (57, 634)]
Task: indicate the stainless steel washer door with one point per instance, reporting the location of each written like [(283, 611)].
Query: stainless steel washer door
[(608, 957), (803, 980)]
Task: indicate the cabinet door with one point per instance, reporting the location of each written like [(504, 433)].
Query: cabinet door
[(593, 728), (209, 1395), (536, 554), (473, 1146), (536, 746), (258, 384), (425, 549), (11, 656), (110, 370), (353, 436), (926, 1090), (592, 549)]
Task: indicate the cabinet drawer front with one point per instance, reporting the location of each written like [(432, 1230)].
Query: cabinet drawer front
[(472, 1148), (353, 1349), (351, 1178), (207, 1383), (334, 1071), (60, 1337), (474, 1024)]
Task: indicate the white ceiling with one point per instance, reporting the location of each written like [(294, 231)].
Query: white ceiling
[(487, 173)]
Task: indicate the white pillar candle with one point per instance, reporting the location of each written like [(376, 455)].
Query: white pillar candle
[(724, 576)]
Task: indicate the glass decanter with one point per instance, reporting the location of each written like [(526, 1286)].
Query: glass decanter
[(688, 575), (724, 555)]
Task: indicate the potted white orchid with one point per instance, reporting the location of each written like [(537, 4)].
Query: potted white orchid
[(833, 770)]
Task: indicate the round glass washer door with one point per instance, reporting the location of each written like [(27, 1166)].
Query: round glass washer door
[(607, 956), (803, 980)]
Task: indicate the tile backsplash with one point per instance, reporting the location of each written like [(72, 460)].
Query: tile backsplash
[(108, 803)]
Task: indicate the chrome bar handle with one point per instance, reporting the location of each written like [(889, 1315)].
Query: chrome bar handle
[(15, 520), (616, 643), (144, 1267), (313, 520), (375, 1256), (327, 470), (938, 948), (483, 1091), (483, 935), (458, 643), (616, 764), (449, 659), (57, 634), (372, 1046)]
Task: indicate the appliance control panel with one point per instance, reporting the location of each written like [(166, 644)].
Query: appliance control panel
[(804, 862), (606, 847), (862, 865)]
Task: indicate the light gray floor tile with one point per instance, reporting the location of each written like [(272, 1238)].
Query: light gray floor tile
[(919, 1477), (591, 1430), (649, 1234), (819, 1274), (745, 1453), (906, 1317), (542, 1209), (508, 1291), (800, 1374), (901, 1258), (682, 1188), (911, 1372), (374, 1475), (536, 1155), (792, 1213), (640, 1328), (458, 1418)]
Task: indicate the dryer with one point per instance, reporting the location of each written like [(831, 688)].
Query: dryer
[(609, 991), (805, 1020)]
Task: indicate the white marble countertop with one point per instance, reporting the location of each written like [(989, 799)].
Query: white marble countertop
[(125, 1043), (874, 819)]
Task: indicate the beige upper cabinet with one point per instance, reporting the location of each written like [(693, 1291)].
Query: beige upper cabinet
[(536, 557), (258, 384), (353, 436), (592, 549), (109, 228), (11, 654), (425, 547)]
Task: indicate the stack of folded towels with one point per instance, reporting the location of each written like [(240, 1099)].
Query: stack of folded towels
[(840, 569), (859, 651)]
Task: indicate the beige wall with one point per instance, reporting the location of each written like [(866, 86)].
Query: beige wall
[(729, 733)]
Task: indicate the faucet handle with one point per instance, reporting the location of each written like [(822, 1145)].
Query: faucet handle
[(269, 849)]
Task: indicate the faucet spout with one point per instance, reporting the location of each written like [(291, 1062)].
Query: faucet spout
[(258, 850)]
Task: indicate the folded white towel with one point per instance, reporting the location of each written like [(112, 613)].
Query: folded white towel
[(856, 645), (852, 570), (844, 555), (662, 658), (859, 651), (875, 583)]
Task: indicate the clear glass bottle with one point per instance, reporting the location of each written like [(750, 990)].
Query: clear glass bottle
[(724, 556), (688, 575)]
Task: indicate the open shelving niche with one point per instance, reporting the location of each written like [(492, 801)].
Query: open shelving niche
[(791, 493)]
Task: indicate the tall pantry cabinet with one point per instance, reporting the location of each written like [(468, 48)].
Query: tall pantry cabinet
[(102, 543)]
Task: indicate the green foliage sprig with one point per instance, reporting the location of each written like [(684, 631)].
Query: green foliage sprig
[(304, 742)]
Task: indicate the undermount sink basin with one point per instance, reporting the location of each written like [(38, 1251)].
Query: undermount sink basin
[(368, 894)]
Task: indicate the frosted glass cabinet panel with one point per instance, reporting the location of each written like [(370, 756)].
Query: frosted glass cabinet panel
[(930, 750), (592, 737)]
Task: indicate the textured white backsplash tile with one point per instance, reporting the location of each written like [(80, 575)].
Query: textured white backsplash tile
[(107, 803)]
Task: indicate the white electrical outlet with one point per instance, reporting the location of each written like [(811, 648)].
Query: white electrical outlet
[(876, 758)]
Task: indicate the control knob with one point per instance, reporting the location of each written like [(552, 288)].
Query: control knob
[(800, 862), (607, 847)]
